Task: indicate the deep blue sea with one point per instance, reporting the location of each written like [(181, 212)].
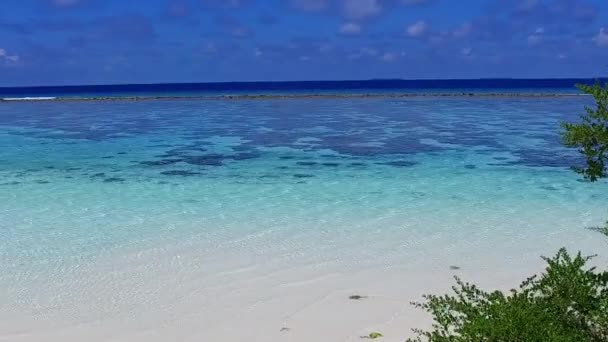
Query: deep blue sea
[(196, 220), (559, 86)]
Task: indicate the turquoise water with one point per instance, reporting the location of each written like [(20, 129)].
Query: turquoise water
[(344, 184)]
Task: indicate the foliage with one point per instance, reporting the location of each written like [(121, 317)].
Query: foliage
[(602, 230), (590, 136), (374, 335), (569, 302)]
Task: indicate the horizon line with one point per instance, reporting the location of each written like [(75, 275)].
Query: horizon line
[(598, 78)]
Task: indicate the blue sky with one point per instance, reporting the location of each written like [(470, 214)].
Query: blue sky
[(56, 42)]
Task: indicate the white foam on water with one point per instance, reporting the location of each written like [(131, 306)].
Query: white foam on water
[(35, 98)]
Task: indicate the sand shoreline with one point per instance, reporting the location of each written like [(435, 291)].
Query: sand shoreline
[(287, 97)]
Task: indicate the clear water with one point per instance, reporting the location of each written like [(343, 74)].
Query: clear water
[(318, 185)]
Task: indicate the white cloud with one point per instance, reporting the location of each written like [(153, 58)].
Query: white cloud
[(350, 28), (257, 52), (6, 58), (350, 9), (388, 57), (601, 39), (537, 37), (417, 29), (466, 51), (561, 56), (361, 9)]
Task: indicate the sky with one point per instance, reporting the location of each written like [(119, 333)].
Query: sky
[(66, 42)]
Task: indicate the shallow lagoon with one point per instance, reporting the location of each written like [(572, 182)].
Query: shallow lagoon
[(182, 219)]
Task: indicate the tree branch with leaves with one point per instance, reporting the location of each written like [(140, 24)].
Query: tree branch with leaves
[(590, 136)]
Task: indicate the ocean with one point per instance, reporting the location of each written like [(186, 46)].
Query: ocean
[(549, 86), (194, 220)]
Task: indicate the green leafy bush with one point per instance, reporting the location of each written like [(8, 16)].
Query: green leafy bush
[(569, 302), (591, 135)]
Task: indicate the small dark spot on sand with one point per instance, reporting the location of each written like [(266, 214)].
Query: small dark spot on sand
[(304, 163), (285, 329), (113, 180), (74, 169), (303, 175), (357, 297), (179, 173), (107, 157), (454, 267), (470, 166), (372, 336), (331, 164), (287, 157), (121, 153), (42, 182)]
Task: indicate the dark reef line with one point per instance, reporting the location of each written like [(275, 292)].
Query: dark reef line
[(289, 96)]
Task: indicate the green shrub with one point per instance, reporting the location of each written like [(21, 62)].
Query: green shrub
[(569, 302), (590, 136)]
